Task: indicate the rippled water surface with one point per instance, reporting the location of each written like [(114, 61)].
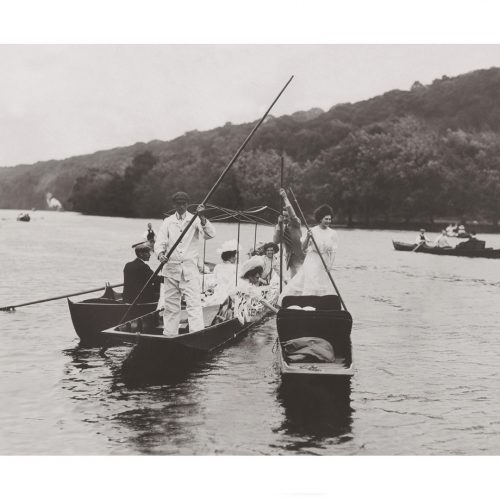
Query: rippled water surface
[(425, 343)]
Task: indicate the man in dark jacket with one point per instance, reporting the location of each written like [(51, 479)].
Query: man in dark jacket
[(135, 275), (290, 224)]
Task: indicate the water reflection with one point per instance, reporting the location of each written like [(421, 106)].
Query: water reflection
[(316, 408), (146, 418)]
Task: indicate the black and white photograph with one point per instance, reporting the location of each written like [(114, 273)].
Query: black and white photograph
[(249, 250)]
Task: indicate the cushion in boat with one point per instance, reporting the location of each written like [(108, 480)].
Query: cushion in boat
[(309, 350)]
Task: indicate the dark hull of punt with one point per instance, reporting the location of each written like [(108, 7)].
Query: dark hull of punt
[(328, 322), (488, 253), (92, 316), (158, 357)]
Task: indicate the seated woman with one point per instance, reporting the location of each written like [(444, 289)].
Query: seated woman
[(271, 270), (312, 278), (250, 294)]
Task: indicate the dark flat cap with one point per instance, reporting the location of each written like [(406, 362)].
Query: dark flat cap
[(180, 196)]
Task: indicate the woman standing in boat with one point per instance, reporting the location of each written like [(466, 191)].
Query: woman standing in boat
[(225, 272), (312, 278), (271, 263)]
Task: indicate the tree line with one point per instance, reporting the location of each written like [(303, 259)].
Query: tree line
[(397, 170)]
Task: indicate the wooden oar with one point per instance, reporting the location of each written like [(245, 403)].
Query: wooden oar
[(12, 308), (207, 197), (418, 246), (317, 250)]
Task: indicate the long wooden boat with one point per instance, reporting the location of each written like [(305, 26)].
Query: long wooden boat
[(489, 253), (157, 355), (327, 321)]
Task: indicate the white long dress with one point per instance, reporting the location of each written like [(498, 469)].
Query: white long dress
[(225, 277), (312, 278)]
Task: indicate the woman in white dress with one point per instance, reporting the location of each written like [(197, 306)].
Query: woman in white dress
[(225, 272), (312, 278), (251, 294), (271, 269)]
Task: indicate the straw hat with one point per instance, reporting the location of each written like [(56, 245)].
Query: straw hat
[(251, 263), (229, 246)]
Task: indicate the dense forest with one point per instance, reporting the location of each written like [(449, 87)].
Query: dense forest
[(406, 156)]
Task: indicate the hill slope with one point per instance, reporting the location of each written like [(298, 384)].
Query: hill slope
[(380, 157)]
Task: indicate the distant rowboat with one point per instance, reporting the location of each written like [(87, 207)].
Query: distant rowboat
[(24, 217), (489, 253)]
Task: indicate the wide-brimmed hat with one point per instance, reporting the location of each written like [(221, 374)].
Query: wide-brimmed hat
[(422, 230), (272, 245), (180, 196), (252, 263), (229, 246)]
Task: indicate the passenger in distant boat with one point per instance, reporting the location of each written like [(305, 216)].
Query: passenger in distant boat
[(442, 240), (150, 235), (462, 231), (180, 273), (292, 234), (312, 278), (451, 230), (135, 275), (421, 238), (271, 269)]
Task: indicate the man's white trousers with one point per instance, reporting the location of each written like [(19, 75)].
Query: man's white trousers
[(173, 290)]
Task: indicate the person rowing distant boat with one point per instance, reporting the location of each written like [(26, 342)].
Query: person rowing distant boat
[(136, 273), (180, 272), (421, 238)]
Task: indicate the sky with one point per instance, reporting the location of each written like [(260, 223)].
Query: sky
[(63, 100)]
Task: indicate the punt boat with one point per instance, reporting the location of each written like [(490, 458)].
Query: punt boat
[(323, 319), (489, 253), (157, 355)]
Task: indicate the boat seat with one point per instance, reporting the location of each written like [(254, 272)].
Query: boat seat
[(320, 303)]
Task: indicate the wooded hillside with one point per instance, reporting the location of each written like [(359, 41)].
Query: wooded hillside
[(431, 151)]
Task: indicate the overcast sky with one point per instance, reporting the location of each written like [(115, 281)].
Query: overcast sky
[(63, 100)]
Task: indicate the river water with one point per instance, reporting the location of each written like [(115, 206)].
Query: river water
[(425, 344)]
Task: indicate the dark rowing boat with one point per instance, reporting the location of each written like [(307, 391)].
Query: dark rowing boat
[(23, 217), (489, 253), (327, 322), (91, 316)]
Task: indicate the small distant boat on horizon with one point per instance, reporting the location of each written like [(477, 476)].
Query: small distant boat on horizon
[(23, 217), (489, 253)]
